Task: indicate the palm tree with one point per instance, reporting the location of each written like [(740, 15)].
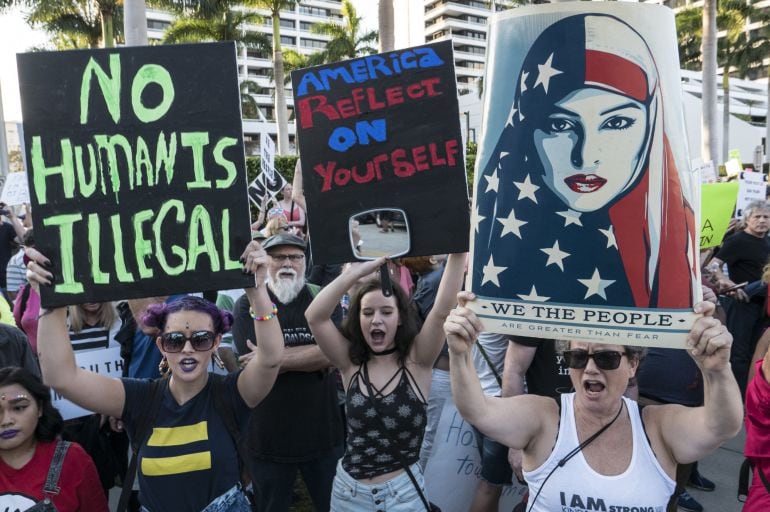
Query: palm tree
[(226, 25), (72, 23), (135, 22), (385, 22), (346, 40), (709, 140), (689, 30), (249, 106), (281, 114)]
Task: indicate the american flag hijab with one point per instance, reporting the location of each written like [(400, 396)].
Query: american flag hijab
[(533, 240)]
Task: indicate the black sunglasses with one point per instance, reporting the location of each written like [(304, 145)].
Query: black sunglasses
[(604, 359), (201, 341)]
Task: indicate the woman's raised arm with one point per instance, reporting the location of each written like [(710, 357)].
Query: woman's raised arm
[(89, 390), (259, 375), (431, 337), (333, 344)]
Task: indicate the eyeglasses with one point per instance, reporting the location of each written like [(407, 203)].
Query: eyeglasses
[(291, 257), (201, 341), (604, 359)]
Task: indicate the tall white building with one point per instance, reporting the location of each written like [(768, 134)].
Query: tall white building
[(257, 67)]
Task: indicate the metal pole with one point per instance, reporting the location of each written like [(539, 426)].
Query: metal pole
[(3, 143)]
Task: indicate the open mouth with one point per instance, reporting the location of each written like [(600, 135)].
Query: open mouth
[(378, 335), (593, 386), (188, 364), (584, 183), (9, 434)]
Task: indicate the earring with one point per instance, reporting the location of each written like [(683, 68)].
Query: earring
[(163, 367), (218, 361)]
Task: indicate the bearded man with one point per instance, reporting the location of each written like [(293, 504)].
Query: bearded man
[(298, 426)]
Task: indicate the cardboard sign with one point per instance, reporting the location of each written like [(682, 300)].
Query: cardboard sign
[(383, 131), (584, 203), (15, 189), (752, 186), (263, 186), (136, 170), (105, 362), (717, 206), (706, 171), (267, 155), (454, 467)]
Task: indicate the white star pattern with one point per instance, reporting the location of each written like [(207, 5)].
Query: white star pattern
[(503, 154), (527, 189), (571, 217), (511, 224), (477, 221), (491, 272), (533, 296), (492, 181), (512, 117), (610, 234), (555, 255), (524, 81), (545, 72), (596, 285)]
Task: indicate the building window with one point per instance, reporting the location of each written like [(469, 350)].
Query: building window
[(312, 43), (476, 19), (288, 40), (305, 25), (158, 24)]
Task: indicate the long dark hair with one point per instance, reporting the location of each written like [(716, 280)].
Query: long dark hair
[(359, 351), (50, 424)]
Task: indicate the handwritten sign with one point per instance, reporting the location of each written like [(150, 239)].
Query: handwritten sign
[(706, 171), (136, 170), (264, 186), (267, 155), (717, 206), (752, 187), (15, 189), (383, 131), (105, 362), (454, 467)]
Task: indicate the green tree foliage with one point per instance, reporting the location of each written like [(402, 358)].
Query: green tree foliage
[(347, 41)]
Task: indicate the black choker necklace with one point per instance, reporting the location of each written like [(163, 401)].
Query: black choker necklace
[(384, 352)]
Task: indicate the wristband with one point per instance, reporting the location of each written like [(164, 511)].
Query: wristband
[(265, 318)]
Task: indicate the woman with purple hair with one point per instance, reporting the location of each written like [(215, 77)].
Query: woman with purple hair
[(188, 460)]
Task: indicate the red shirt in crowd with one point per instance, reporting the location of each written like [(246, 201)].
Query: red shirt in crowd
[(758, 440)]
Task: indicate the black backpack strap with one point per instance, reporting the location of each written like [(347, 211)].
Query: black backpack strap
[(223, 404), (51, 486), (142, 431)]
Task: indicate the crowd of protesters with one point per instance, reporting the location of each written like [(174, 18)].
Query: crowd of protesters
[(316, 371)]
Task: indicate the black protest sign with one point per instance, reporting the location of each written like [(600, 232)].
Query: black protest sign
[(264, 186), (383, 131), (136, 170)]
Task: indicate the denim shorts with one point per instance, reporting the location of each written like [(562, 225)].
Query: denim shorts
[(233, 500), (395, 495), (495, 468)]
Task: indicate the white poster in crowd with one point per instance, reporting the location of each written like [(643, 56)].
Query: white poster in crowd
[(733, 167), (104, 362), (706, 171), (751, 187), (16, 189), (452, 472), (267, 155)]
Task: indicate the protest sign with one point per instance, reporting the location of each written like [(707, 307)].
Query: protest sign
[(584, 204), (15, 189), (267, 155), (383, 131), (706, 170), (735, 154), (104, 362), (717, 206), (136, 170), (752, 186), (264, 187), (453, 470)]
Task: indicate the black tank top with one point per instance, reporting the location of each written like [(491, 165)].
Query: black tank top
[(369, 450)]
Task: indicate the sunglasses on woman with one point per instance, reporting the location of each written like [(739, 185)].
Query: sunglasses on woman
[(604, 359), (175, 341)]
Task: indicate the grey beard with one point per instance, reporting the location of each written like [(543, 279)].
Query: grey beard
[(286, 290)]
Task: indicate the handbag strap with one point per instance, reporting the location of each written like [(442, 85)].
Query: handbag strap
[(51, 486), (157, 389), (393, 441)]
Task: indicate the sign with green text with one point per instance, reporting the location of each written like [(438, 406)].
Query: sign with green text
[(136, 170)]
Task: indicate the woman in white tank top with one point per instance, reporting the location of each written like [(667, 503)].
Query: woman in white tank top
[(593, 453)]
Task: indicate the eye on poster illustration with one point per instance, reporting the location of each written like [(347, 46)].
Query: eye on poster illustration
[(584, 204)]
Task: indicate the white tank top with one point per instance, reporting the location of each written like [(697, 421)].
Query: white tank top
[(575, 487)]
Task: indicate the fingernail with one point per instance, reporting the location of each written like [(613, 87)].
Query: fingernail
[(242, 260), (47, 264)]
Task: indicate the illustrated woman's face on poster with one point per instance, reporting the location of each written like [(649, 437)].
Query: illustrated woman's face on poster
[(590, 146)]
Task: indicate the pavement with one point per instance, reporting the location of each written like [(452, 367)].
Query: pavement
[(722, 468)]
